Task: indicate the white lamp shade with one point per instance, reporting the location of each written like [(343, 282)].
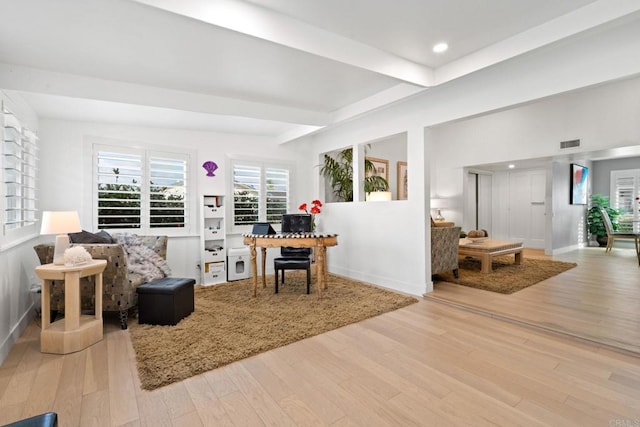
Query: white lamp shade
[(60, 222), (378, 196), (438, 203)]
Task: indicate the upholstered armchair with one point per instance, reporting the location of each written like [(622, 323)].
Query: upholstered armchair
[(444, 249), (118, 283)]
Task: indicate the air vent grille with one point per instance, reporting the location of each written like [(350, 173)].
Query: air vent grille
[(570, 144)]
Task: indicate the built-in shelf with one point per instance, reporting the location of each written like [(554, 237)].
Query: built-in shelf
[(213, 240)]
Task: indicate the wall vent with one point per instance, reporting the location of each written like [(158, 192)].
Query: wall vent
[(569, 144)]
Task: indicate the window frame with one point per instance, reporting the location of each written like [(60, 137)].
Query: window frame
[(634, 205), (13, 236), (147, 151), (263, 165)]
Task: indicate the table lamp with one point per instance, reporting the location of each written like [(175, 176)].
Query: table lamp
[(438, 204), (60, 223)]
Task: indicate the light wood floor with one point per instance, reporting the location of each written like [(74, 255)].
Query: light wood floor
[(599, 301), (427, 364)]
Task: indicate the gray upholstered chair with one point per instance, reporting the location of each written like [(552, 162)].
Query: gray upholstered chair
[(118, 283), (444, 249)]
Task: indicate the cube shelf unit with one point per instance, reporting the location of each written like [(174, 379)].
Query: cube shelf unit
[(213, 240)]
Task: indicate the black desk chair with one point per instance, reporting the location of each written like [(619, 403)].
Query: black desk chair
[(294, 258)]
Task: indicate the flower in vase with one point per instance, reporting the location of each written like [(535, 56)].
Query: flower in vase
[(313, 210)]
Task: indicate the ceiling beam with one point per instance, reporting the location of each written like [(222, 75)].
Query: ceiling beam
[(271, 26), (586, 18), (16, 77)]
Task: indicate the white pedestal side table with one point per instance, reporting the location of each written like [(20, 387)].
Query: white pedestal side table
[(76, 331)]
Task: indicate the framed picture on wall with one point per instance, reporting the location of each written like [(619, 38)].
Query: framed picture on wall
[(381, 167), (403, 179), (578, 185)]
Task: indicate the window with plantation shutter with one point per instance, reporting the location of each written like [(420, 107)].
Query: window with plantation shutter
[(277, 197), (260, 192), (119, 190), (141, 189), (167, 192), (625, 196), (246, 194), (19, 162)]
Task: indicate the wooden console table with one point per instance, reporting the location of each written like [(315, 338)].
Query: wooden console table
[(489, 248), (75, 332), (294, 240)]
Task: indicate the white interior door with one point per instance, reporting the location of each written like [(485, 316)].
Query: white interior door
[(527, 208)]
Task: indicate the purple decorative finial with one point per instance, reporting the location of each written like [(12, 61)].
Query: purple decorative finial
[(210, 167)]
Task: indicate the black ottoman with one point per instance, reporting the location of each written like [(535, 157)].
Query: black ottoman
[(165, 301)]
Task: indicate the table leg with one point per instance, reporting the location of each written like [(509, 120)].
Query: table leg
[(264, 267), (320, 270), (324, 267), (485, 263), (45, 302), (98, 296), (254, 268), (71, 301), (518, 259)]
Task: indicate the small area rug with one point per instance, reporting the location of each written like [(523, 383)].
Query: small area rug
[(506, 277), (228, 324)]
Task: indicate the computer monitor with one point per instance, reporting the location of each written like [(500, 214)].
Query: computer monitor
[(262, 228), (296, 223)]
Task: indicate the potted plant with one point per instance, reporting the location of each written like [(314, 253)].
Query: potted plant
[(339, 172), (595, 223)]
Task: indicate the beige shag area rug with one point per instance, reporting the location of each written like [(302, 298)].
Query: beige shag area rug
[(506, 277), (228, 324)]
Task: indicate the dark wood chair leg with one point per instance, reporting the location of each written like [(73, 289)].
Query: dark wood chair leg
[(455, 273), (276, 281), (308, 279)]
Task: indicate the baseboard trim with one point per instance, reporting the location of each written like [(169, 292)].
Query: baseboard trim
[(16, 332)]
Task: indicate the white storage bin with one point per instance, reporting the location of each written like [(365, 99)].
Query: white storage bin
[(213, 211), (239, 260), (213, 234), (214, 255), (214, 272)]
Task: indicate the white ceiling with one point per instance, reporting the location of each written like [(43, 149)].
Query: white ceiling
[(279, 68)]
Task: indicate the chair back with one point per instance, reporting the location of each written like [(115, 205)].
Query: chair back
[(295, 223), (607, 221)]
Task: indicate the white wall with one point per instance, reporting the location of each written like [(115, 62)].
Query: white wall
[(67, 182), (604, 116), (438, 160), (17, 261)]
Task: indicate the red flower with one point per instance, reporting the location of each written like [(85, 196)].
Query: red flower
[(315, 207)]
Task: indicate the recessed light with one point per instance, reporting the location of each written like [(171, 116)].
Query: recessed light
[(440, 47), (512, 166)]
